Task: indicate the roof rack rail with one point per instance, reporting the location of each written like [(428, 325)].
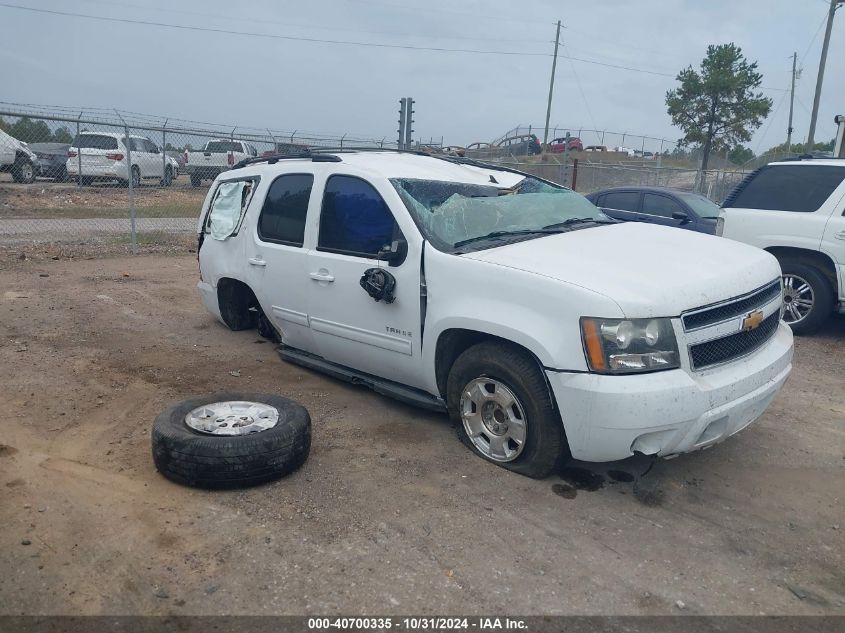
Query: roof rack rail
[(272, 159)]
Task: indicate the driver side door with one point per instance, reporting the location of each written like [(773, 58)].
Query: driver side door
[(351, 328)]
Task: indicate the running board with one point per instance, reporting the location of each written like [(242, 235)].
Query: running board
[(403, 393)]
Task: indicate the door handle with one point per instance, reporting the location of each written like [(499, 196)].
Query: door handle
[(840, 235), (255, 261), (321, 276)]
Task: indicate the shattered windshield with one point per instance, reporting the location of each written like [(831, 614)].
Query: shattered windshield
[(452, 215)]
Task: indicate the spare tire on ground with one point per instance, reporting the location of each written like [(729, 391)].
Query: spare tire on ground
[(230, 440)]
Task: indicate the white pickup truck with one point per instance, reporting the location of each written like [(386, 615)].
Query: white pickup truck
[(217, 156), (543, 328)]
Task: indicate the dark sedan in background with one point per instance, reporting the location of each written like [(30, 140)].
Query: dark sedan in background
[(52, 160), (658, 205)]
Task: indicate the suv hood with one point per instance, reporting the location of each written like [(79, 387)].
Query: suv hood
[(648, 270)]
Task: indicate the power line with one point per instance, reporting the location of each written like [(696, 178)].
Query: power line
[(326, 41), (581, 90), (292, 38), (296, 25)]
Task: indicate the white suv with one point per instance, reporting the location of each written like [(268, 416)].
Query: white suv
[(103, 156), (544, 328), (17, 158), (796, 211)]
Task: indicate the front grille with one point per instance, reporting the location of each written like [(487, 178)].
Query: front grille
[(733, 308), (724, 349)]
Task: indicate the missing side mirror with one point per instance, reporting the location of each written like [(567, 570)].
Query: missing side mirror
[(394, 254)]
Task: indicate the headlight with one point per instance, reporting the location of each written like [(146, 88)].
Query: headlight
[(625, 346)]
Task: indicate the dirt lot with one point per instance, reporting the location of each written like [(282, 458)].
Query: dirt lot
[(390, 514)]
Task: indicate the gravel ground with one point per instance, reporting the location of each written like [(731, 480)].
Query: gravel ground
[(390, 514)]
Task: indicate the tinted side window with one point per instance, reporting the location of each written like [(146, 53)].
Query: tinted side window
[(354, 218), (622, 200), (802, 188), (655, 204), (282, 217)]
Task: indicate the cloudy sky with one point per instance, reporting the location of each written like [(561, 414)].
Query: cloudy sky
[(292, 84)]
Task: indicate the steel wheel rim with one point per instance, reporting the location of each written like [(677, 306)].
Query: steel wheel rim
[(27, 171), (798, 298), (494, 419), (232, 417)]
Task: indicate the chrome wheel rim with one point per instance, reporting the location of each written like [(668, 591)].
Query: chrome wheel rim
[(232, 417), (798, 298), (494, 419)]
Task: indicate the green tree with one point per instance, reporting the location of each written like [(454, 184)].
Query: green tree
[(29, 131), (740, 154), (719, 106), (62, 135)]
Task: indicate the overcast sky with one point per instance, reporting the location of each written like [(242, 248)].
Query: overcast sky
[(334, 88)]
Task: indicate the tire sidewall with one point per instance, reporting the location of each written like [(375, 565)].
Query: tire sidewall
[(542, 421), (823, 297), (136, 177)]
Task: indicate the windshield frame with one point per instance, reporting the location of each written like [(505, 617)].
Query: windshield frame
[(497, 240)]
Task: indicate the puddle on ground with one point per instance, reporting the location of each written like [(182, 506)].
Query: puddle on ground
[(620, 476), (564, 490), (581, 478)]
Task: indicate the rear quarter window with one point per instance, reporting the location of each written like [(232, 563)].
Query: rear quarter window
[(800, 188)]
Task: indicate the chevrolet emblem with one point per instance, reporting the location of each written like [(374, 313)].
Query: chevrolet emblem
[(752, 321)]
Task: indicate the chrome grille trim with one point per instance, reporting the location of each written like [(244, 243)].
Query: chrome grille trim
[(707, 316)]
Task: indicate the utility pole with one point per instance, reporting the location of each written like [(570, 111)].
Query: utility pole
[(834, 4), (791, 105), (551, 86)]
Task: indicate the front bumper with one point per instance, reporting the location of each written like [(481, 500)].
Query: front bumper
[(669, 412)]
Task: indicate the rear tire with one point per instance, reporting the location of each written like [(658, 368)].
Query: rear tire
[(196, 181), (516, 373), (818, 292), (168, 177), (23, 171), (61, 175)]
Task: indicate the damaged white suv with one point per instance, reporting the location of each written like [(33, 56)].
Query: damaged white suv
[(544, 328)]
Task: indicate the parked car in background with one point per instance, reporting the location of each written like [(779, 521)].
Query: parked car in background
[(595, 148), (287, 149), (796, 211), (178, 156), (625, 150), (454, 150), (521, 145), (52, 160), (102, 156), (217, 156), (17, 158), (658, 205), (561, 144), (508, 301)]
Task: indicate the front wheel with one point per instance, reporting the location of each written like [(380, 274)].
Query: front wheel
[(807, 297), (501, 404), (196, 181), (168, 177)]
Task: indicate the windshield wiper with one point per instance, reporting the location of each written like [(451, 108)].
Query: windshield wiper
[(497, 234), (572, 221)]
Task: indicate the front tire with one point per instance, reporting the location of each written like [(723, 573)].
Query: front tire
[(500, 401), (807, 297), (168, 177), (196, 181)]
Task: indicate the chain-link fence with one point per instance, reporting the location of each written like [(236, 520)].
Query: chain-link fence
[(120, 178), (106, 180)]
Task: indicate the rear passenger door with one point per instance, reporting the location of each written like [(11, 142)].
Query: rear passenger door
[(276, 257), (622, 205), (350, 327)]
